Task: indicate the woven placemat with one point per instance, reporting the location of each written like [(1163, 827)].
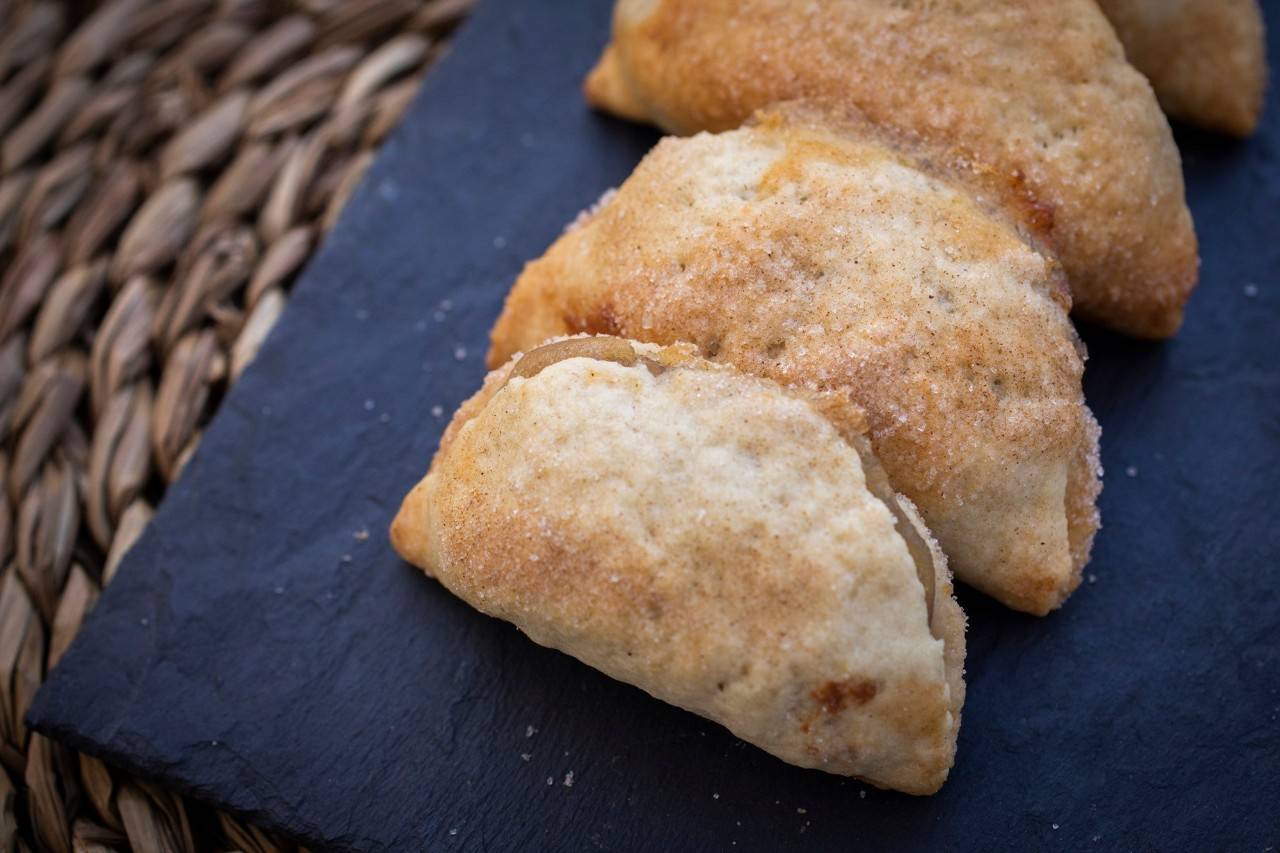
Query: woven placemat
[(166, 167)]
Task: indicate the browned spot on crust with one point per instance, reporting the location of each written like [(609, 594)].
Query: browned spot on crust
[(601, 320), (789, 169), (1040, 215), (834, 696), (1037, 213)]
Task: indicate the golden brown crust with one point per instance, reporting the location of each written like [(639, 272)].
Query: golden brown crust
[(605, 84), (832, 262), (1039, 92), (1206, 59), (708, 537), (1002, 195)]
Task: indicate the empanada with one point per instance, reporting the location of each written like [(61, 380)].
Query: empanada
[(1039, 93), (827, 259), (709, 537), (1206, 59)]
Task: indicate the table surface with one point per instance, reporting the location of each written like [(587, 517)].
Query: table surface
[(263, 649)]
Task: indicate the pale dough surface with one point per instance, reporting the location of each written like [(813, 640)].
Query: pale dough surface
[(708, 537), (1037, 92), (830, 261)]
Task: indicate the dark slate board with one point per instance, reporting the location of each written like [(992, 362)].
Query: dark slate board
[(253, 652)]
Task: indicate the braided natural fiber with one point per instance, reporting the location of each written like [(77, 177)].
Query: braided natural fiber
[(166, 166)]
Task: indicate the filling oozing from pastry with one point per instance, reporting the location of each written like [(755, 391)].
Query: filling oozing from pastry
[(599, 347)]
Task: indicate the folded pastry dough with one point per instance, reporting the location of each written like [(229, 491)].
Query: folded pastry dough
[(709, 537), (1037, 92), (1206, 59), (823, 258)]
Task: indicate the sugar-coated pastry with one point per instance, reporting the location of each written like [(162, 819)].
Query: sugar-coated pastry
[(1206, 59), (827, 259), (709, 537), (1037, 92)]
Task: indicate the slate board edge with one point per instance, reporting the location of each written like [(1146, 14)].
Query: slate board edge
[(1120, 347), (36, 718)]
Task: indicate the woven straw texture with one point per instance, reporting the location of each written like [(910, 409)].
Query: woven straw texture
[(166, 167)]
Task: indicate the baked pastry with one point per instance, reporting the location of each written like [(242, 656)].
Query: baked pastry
[(1039, 93), (1206, 59), (822, 257), (709, 537)]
